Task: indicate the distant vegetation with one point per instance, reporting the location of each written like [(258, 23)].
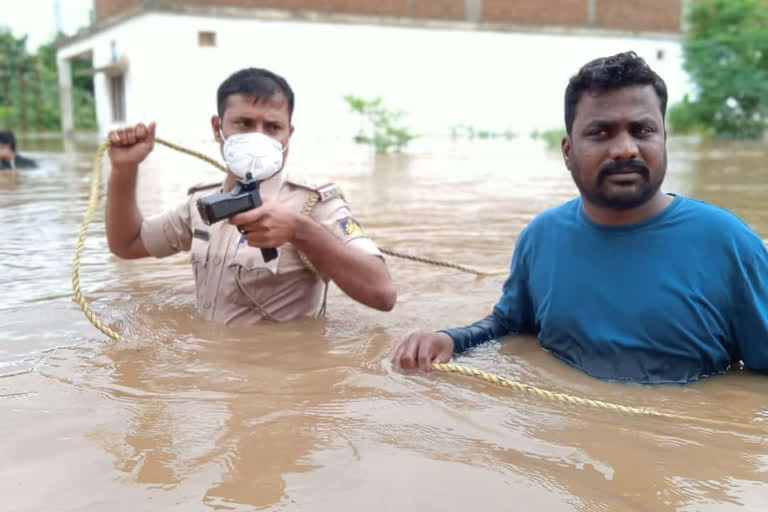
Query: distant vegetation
[(726, 55), (551, 137), (470, 132), (29, 90), (381, 127)]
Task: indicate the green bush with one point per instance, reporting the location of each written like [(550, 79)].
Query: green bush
[(381, 126)]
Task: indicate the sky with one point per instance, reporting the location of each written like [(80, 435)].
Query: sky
[(39, 19)]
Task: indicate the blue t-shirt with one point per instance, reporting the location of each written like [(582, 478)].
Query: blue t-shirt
[(679, 296)]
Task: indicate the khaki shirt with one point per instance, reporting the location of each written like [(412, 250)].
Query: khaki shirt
[(234, 284)]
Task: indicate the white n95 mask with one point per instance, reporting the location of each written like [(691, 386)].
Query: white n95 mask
[(252, 152)]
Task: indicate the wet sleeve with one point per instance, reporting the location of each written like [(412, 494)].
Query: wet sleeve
[(513, 314), (169, 232), (489, 328), (751, 313), (25, 163), (337, 218)]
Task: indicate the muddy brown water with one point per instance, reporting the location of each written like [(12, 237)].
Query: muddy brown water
[(309, 415)]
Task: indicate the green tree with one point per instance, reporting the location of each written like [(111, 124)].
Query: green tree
[(382, 129), (726, 55), (29, 90)]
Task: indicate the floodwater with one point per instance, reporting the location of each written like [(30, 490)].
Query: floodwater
[(309, 415)]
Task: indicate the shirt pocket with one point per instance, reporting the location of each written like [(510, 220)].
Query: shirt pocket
[(275, 296), (253, 279), (199, 253)]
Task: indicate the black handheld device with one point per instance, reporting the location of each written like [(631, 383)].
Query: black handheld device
[(245, 196)]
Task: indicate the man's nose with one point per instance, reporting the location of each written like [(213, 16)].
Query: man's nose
[(624, 147)]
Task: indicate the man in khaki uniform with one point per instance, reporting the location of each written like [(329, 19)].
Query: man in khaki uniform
[(235, 286)]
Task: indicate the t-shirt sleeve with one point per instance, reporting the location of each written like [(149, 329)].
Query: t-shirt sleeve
[(169, 232), (515, 308), (513, 314), (751, 312)]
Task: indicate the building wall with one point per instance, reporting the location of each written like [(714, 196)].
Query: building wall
[(633, 15), (489, 80), (127, 40)]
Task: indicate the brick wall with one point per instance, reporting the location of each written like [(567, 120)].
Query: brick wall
[(536, 12), (660, 15), (107, 8), (651, 15), (444, 9)]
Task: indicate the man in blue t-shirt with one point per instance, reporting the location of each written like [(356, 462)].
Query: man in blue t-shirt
[(625, 282)]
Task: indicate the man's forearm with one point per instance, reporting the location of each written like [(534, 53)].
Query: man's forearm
[(489, 328), (123, 219), (363, 277)]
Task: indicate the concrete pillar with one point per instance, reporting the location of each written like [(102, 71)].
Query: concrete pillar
[(473, 10), (591, 12), (64, 67)]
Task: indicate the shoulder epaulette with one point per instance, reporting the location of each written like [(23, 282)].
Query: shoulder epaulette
[(326, 189), (200, 186)]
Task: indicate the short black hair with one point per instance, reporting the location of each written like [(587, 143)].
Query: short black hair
[(606, 73), (6, 137), (256, 82)]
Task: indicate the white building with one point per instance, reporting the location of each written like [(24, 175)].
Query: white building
[(166, 66)]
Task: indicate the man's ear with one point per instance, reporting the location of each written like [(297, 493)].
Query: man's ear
[(216, 127), (565, 146), (292, 128)]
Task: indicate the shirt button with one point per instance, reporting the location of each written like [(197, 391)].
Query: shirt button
[(251, 262), (207, 305), (217, 260)]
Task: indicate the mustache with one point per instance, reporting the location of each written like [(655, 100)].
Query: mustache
[(619, 167)]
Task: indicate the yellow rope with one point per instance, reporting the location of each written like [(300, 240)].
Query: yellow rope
[(442, 367), (92, 203), (182, 149), (312, 200), (437, 263), (587, 402)]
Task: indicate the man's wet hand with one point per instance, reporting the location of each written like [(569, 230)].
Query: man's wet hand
[(269, 225), (129, 146), (422, 349)]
